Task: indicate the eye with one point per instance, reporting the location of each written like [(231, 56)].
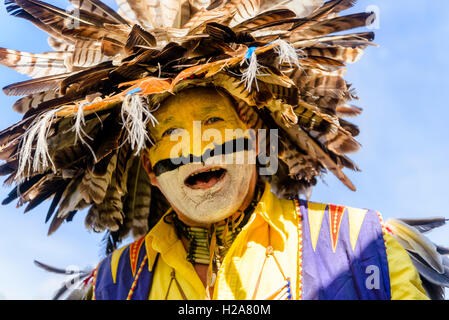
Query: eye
[(170, 131), (213, 120)]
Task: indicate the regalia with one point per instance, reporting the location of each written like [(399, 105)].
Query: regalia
[(100, 109)]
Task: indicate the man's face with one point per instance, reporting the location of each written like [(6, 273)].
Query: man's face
[(202, 156)]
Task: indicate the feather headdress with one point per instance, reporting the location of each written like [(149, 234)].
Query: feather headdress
[(90, 100)]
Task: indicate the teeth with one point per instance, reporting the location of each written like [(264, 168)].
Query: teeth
[(210, 170)]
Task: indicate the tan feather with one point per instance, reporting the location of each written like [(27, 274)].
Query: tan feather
[(24, 104), (59, 45), (125, 10), (331, 26), (94, 184), (163, 13), (137, 201), (264, 19), (35, 85), (302, 8), (99, 8), (242, 10), (87, 54), (345, 55), (109, 213), (304, 142), (34, 65)]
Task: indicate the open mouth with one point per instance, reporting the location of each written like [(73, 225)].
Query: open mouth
[(204, 179)]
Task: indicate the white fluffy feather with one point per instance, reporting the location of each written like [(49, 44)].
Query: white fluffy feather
[(135, 117), (39, 130)]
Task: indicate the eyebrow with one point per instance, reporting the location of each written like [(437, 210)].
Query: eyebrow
[(209, 109), (167, 121)]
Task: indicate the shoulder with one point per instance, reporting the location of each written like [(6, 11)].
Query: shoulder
[(339, 223), (117, 269)]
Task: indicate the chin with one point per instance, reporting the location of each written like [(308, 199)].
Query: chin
[(207, 193)]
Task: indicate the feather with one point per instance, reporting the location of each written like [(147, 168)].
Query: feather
[(346, 110), (425, 225), (40, 160), (327, 11), (71, 201), (302, 8), (108, 214), (430, 274), (137, 203), (32, 64), (139, 37), (54, 16), (32, 101), (124, 10), (163, 13), (242, 10), (264, 19), (35, 85), (139, 11), (99, 8), (341, 54), (443, 251), (87, 54), (94, 184), (331, 26), (20, 189), (17, 11), (434, 292), (411, 239), (136, 117), (54, 204), (56, 270), (42, 192), (304, 142)]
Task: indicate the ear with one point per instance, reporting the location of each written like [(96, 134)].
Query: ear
[(147, 166)]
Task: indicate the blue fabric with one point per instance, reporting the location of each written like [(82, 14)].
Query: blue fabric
[(106, 289), (343, 275)]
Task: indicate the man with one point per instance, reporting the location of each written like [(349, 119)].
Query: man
[(197, 132), (281, 249)]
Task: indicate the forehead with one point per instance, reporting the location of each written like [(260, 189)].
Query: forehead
[(195, 102)]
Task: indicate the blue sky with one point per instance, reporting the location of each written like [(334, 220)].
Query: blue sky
[(403, 90)]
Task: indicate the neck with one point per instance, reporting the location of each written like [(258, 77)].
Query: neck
[(207, 243)]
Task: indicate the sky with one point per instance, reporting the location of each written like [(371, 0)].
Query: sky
[(402, 87)]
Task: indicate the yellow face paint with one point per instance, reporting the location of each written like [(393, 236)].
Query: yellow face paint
[(192, 122), (201, 127)]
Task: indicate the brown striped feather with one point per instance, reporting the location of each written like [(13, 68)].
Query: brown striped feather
[(304, 142), (94, 183), (99, 8), (35, 65), (32, 101), (302, 8), (35, 85), (137, 200), (334, 25)]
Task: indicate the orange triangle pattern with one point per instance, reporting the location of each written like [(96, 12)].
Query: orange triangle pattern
[(335, 217), (134, 250)]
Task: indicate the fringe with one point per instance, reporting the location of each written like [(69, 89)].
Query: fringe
[(250, 74), (135, 117), (79, 132), (286, 52), (38, 131)]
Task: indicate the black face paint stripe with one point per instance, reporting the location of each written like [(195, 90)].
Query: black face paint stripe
[(236, 145)]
